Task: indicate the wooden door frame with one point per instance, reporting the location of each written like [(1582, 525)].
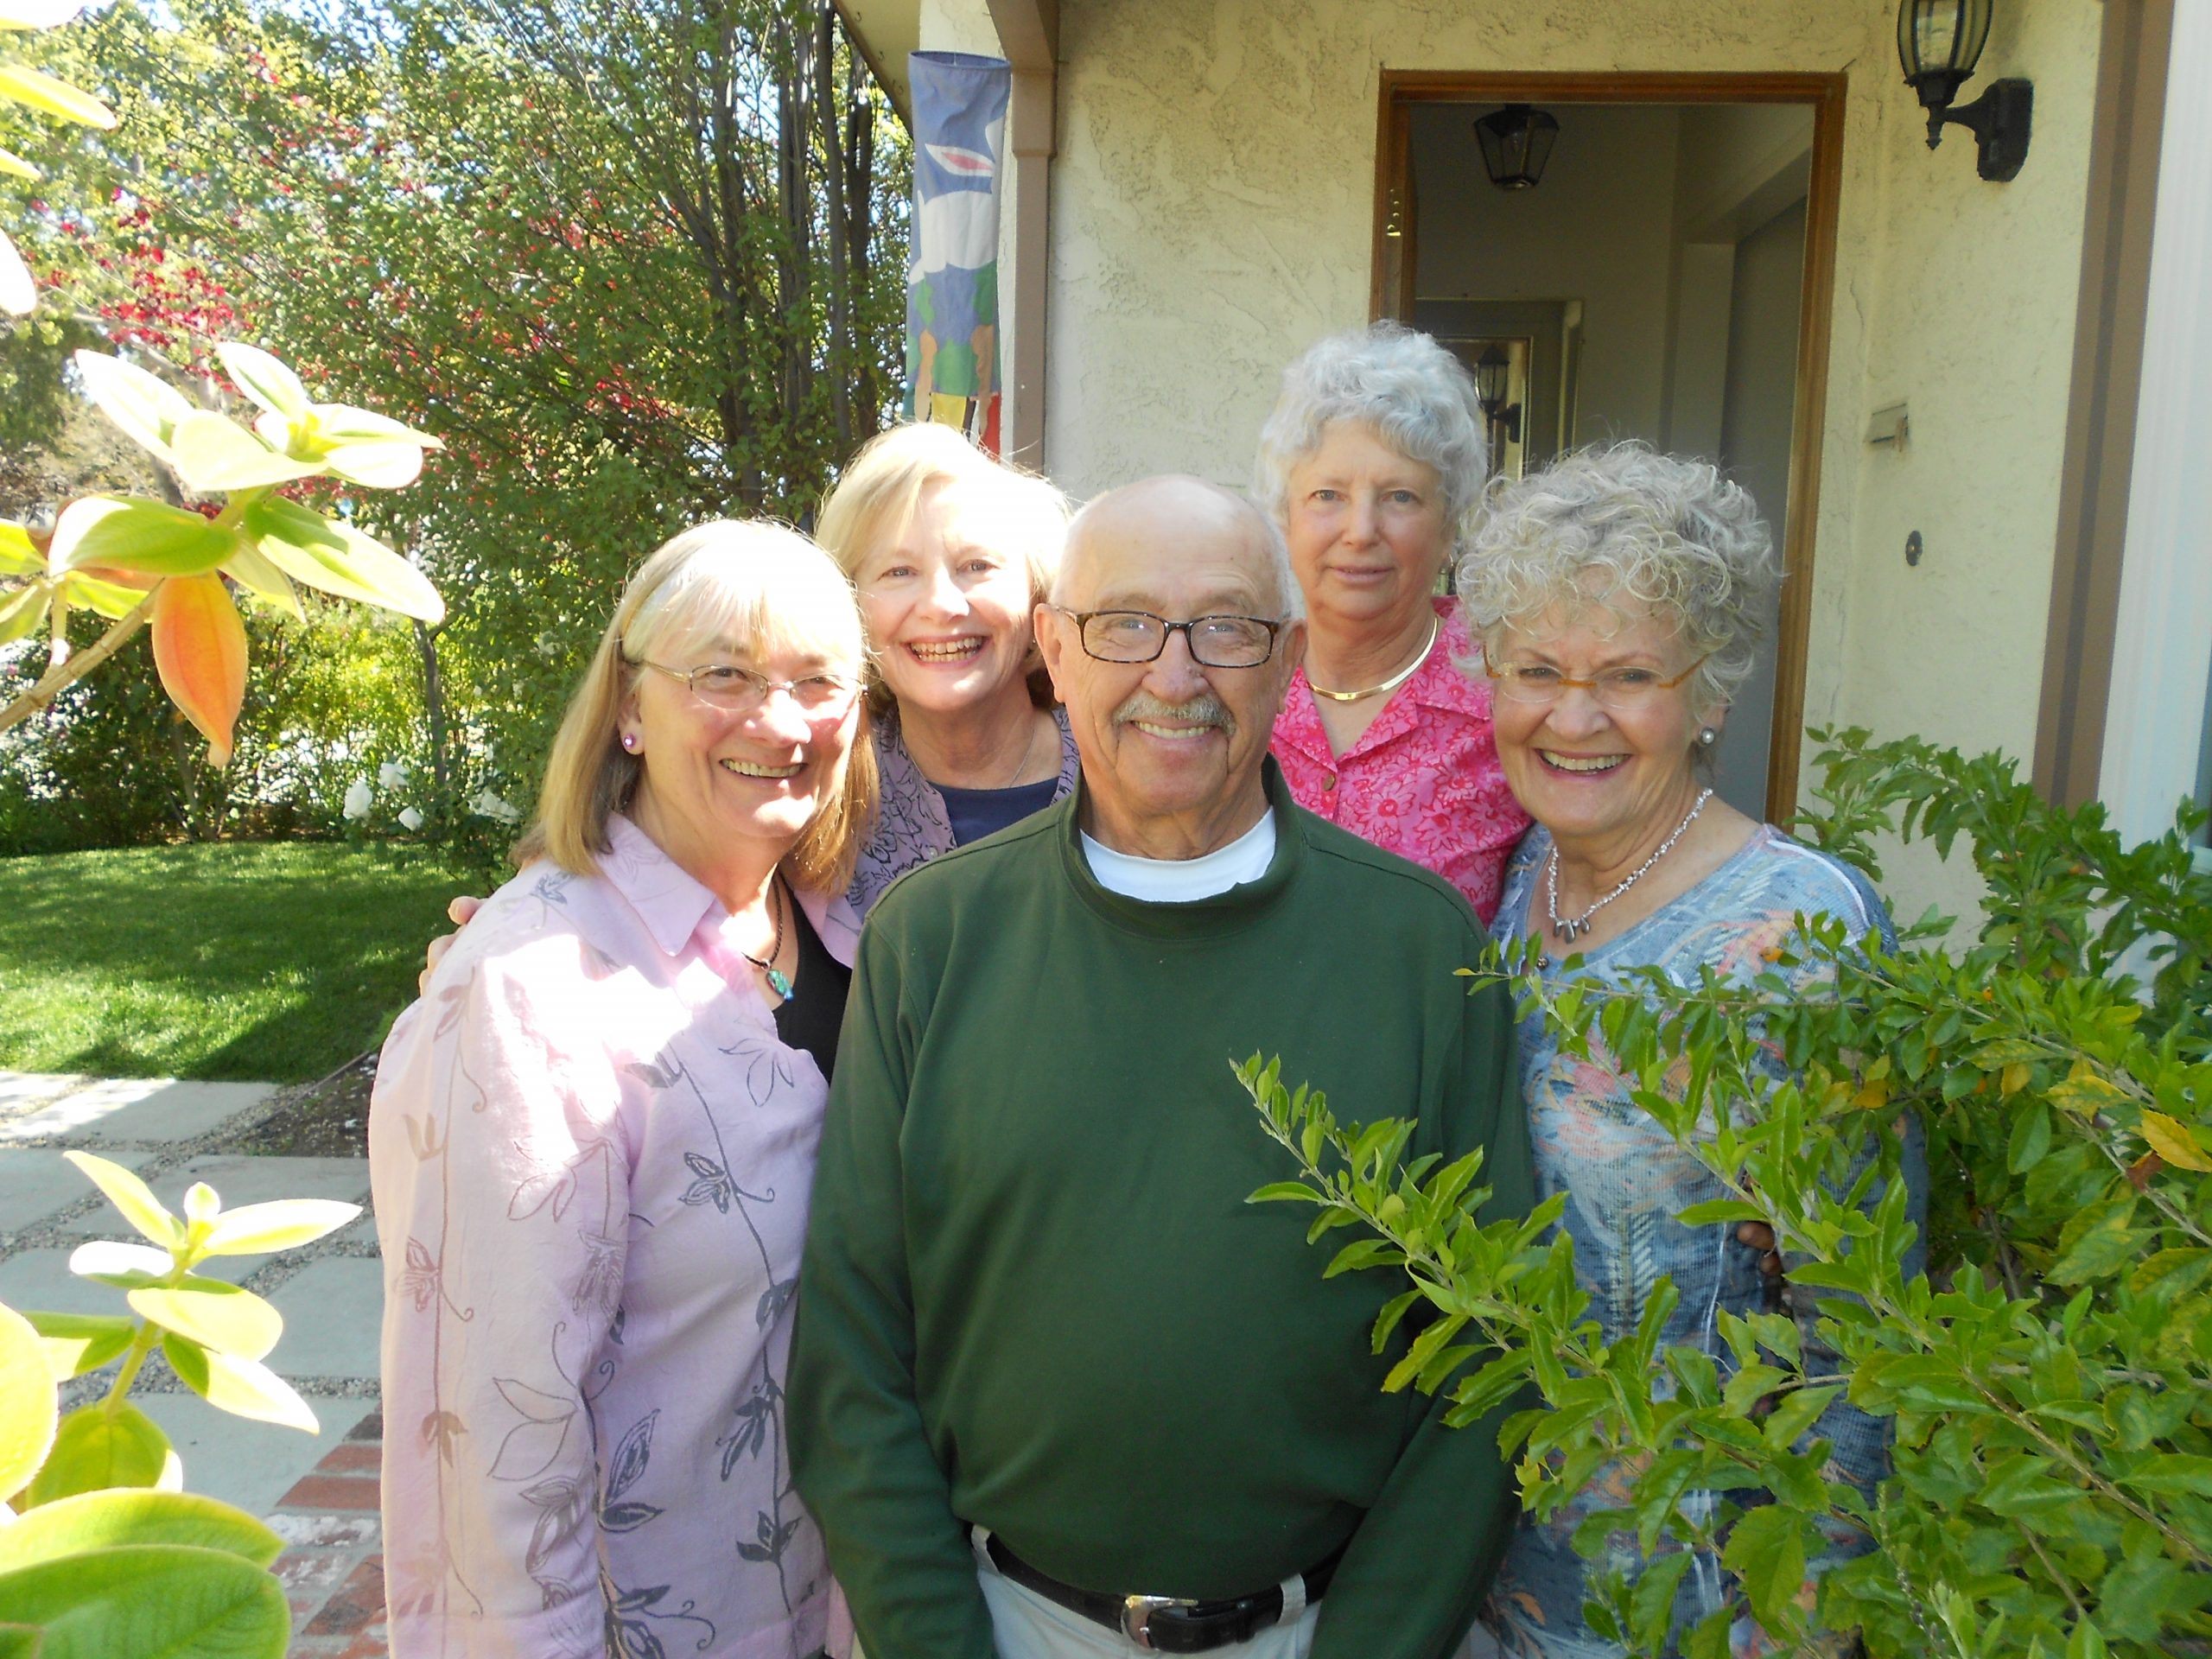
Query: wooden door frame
[(1824, 94)]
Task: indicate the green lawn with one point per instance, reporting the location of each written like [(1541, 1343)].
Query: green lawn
[(273, 961)]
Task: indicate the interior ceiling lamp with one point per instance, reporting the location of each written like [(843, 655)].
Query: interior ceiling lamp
[(1491, 372), (1516, 141), (1939, 42)]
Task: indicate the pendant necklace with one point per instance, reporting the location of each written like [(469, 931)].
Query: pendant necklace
[(778, 982), (1390, 684), (1574, 927)]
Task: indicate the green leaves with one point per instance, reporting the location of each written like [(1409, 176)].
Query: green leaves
[(125, 533), (110, 1444), (77, 1343), (172, 1600), (231, 1382), (264, 380), (102, 1520), (42, 92), (143, 407), (213, 1313), (281, 1224), (132, 1196), (214, 454), (27, 1414), (1766, 1551), (337, 558)]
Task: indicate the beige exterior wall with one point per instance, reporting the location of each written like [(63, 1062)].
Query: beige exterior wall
[(1211, 216)]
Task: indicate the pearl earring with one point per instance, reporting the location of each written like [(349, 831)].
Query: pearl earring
[(630, 742), (1708, 736)]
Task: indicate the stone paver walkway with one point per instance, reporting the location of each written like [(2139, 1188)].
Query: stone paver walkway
[(318, 1492)]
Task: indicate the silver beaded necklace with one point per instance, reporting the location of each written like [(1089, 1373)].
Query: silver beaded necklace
[(1574, 927)]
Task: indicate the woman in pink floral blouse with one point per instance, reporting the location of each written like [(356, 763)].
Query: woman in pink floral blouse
[(1372, 463), (592, 1143)]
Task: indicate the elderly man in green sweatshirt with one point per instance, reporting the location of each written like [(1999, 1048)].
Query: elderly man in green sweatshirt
[(1057, 1389)]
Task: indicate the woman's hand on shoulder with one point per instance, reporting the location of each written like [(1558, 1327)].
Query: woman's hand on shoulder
[(459, 909)]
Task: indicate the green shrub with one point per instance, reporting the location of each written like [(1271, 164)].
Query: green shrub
[(2050, 1375), (107, 1555)]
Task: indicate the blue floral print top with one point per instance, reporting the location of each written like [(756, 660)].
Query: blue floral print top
[(1626, 1180)]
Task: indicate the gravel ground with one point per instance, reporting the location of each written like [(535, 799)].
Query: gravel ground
[(326, 1119)]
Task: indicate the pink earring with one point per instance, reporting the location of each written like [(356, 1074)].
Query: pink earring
[(630, 742)]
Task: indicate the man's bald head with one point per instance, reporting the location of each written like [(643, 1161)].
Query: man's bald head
[(1178, 510)]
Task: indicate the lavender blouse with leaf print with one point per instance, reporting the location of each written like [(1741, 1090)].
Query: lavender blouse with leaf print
[(1626, 1181), (591, 1159)]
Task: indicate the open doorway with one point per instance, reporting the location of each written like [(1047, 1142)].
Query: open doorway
[(1667, 278)]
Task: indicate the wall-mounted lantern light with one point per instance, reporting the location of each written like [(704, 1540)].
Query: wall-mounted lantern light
[(1492, 379), (1939, 42), (1516, 141)]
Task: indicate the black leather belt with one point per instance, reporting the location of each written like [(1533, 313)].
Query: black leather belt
[(1168, 1623)]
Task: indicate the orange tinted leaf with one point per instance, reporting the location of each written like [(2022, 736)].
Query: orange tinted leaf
[(200, 648)]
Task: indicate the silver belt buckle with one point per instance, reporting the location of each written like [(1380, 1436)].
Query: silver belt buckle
[(1136, 1615)]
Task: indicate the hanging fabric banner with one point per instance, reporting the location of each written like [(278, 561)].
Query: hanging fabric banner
[(952, 283)]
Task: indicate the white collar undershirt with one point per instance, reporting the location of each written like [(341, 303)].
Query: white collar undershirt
[(1184, 880)]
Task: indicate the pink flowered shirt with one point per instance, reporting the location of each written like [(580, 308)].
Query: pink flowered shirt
[(592, 1160), (1423, 780)]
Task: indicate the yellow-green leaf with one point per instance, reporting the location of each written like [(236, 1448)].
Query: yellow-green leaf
[(145, 407), (113, 600), (251, 569), (244, 1387), (125, 1266), (2171, 1139), (171, 1600), (376, 466), (132, 1195), (97, 1449), (17, 167), (27, 1411), (110, 532), (336, 424), (218, 1316), (1767, 1553), (77, 1343), (42, 92), (19, 554), (338, 559), (264, 378), (21, 612), (215, 453), (281, 1225), (90, 1521)]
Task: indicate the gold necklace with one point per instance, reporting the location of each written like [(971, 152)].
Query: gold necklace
[(1390, 684)]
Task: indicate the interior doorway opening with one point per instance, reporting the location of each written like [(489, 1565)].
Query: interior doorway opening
[(1667, 279)]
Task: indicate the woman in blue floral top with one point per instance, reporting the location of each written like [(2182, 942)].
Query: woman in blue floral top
[(1618, 596)]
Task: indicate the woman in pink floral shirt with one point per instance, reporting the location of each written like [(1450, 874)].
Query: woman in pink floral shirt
[(592, 1144), (1372, 463)]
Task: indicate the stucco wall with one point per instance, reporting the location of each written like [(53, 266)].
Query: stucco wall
[(1965, 292)]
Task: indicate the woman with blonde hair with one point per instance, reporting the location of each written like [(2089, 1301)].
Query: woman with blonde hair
[(951, 552), (592, 1142)]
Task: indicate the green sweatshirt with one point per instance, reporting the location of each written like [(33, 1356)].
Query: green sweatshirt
[(1034, 1296)]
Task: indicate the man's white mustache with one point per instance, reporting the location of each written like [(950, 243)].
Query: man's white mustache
[(1199, 711)]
